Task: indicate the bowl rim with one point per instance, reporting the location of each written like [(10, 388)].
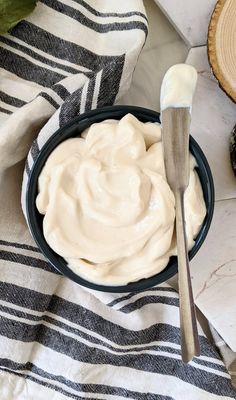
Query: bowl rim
[(64, 133)]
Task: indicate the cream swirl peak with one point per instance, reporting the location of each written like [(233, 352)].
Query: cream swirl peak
[(108, 208)]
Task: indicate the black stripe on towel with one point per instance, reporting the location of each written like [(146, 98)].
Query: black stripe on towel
[(89, 336), (43, 383), (28, 70), (13, 101), (49, 98), (60, 48), (109, 86), (19, 246), (132, 294), (95, 26), (94, 322), (80, 387), (38, 57), (61, 91), (71, 107), (110, 14), (142, 301), (27, 168), (27, 260), (34, 150), (153, 347), (95, 341), (90, 93), (5, 111), (163, 365), (19, 314)]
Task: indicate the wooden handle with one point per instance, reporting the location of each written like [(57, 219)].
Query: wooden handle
[(189, 335)]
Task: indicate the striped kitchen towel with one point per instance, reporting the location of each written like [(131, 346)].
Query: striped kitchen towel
[(58, 340)]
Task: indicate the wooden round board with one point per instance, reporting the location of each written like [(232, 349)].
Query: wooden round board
[(222, 45)]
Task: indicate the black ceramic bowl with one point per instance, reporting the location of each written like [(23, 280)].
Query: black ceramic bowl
[(74, 129)]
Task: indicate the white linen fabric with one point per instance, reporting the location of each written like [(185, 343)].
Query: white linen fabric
[(58, 340)]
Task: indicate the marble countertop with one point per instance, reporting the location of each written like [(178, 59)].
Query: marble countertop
[(213, 269)]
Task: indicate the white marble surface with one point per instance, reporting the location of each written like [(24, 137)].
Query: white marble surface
[(214, 267), (213, 272), (213, 118), (190, 18)]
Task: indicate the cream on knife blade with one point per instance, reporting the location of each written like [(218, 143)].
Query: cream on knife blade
[(178, 86)]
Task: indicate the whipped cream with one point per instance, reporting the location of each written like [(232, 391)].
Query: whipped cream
[(108, 209)]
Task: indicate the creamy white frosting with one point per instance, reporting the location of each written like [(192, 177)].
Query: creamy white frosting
[(178, 86), (108, 208)]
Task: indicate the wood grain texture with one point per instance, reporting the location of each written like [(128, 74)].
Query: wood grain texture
[(222, 45)]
